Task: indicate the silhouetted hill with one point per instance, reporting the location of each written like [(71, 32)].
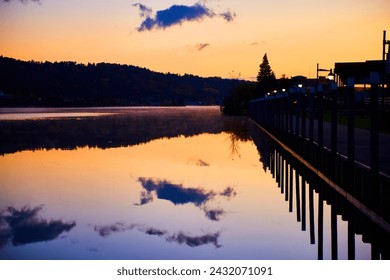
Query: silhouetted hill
[(70, 84)]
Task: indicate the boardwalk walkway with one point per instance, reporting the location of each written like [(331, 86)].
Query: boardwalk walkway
[(362, 144)]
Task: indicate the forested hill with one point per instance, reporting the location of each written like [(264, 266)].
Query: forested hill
[(70, 84)]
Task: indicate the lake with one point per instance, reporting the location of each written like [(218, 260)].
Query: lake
[(162, 183)]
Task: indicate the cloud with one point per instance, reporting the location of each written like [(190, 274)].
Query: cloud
[(200, 47), (143, 10), (24, 226), (228, 16), (176, 15)]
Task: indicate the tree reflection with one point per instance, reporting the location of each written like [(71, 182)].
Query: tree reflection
[(237, 128)]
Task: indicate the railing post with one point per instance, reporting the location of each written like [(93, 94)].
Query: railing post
[(374, 143), (320, 118), (334, 119), (333, 131), (350, 178), (303, 115), (311, 120), (297, 114)]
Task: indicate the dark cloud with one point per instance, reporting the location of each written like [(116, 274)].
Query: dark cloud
[(196, 241), (200, 47), (228, 16), (24, 226), (143, 10), (176, 15), (175, 193)]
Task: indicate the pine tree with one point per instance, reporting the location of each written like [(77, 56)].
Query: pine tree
[(266, 77)]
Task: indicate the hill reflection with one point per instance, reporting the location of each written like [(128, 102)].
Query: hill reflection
[(125, 127)]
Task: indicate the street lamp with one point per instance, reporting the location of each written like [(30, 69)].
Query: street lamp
[(320, 106), (330, 75)]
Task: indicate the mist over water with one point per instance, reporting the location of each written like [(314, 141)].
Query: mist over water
[(152, 183)]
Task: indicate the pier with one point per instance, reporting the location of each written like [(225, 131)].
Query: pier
[(350, 162)]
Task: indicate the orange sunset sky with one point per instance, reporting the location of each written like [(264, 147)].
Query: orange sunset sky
[(225, 38)]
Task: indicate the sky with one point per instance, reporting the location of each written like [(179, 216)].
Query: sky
[(224, 38)]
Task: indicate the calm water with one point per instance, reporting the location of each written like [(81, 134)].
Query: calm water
[(156, 183)]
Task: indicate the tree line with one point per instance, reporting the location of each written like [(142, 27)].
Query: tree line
[(31, 83)]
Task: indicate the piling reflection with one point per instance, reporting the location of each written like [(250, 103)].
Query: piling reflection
[(304, 189)]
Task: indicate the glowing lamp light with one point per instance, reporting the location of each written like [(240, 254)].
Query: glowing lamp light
[(330, 75)]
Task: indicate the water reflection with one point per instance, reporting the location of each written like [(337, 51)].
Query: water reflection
[(180, 237), (178, 195), (309, 193), (24, 226), (175, 185), (109, 128)]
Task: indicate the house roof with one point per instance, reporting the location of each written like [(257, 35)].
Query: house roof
[(360, 71)]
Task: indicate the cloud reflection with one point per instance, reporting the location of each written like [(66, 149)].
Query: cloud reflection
[(228, 192), (179, 195), (174, 193), (105, 231), (24, 226), (195, 241), (214, 215), (180, 238)]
